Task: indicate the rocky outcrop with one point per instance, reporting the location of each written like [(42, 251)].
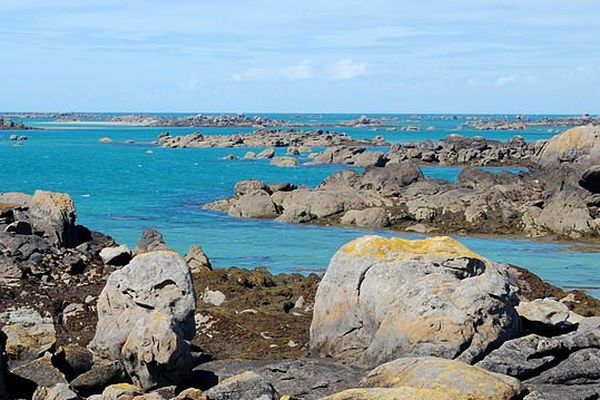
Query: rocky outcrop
[(575, 149), (386, 298), (197, 260), (245, 386), (266, 138), (53, 216)]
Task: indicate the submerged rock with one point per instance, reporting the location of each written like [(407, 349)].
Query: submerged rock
[(386, 298)]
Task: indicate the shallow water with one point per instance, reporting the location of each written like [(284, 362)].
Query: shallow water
[(121, 189)]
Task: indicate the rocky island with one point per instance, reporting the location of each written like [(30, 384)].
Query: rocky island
[(70, 298), (558, 197), (7, 124)]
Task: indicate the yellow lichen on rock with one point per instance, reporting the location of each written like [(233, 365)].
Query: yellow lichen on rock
[(442, 247), (403, 393), (454, 378)]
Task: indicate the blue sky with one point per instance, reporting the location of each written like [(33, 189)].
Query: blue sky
[(301, 56)]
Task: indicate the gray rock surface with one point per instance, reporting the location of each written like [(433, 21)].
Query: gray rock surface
[(60, 391), (196, 259), (245, 386), (155, 281), (117, 255), (156, 353), (53, 215)]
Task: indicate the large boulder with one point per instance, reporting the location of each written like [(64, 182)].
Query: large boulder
[(60, 391), (156, 353), (576, 148), (28, 335), (454, 378), (53, 216), (384, 298), (155, 281)]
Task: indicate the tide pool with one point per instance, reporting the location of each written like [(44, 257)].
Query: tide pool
[(121, 189)]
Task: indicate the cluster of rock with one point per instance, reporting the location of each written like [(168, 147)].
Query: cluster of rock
[(524, 122), (266, 138), (8, 124), (559, 197), (391, 318), (200, 120)]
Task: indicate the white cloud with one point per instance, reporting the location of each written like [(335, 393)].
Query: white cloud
[(502, 80), (302, 70), (347, 69)]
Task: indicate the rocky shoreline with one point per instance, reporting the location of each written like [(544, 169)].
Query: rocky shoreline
[(524, 122), (267, 138), (82, 317), (7, 124), (558, 197)]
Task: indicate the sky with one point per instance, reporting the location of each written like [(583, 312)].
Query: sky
[(314, 56)]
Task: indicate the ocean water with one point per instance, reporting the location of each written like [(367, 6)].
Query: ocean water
[(120, 189)]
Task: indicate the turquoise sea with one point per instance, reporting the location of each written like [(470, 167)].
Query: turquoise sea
[(120, 189)]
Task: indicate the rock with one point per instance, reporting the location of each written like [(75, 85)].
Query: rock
[(391, 178), (370, 159), (214, 297), (74, 360), (72, 310), (53, 215), (545, 314), (590, 180), (245, 386), (155, 281), (254, 205), (19, 228), (384, 298), (266, 153), (102, 374), (197, 260), (60, 391), (249, 186), (151, 240), (190, 394), (284, 161), (10, 273), (117, 256), (528, 356), (576, 148), (374, 217), (404, 393), (29, 335), (105, 140), (41, 372), (121, 391), (455, 378), (250, 155), (3, 370), (156, 353)]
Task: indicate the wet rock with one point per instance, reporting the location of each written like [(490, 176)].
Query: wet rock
[(29, 335), (245, 386), (60, 391), (385, 298), (53, 215), (156, 353), (117, 256), (454, 378), (156, 281), (197, 260)]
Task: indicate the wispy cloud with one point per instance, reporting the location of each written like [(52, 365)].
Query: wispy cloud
[(302, 70), (347, 69)]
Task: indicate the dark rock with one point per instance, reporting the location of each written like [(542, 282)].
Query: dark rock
[(245, 386), (19, 228), (41, 371), (101, 375), (590, 180), (74, 360), (151, 240)]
